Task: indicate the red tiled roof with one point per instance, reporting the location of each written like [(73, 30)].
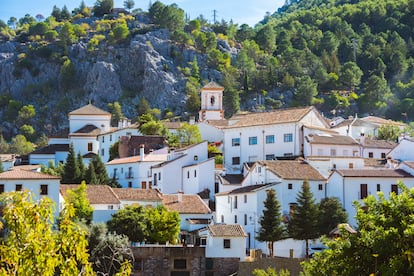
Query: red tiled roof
[(374, 143), (137, 194), (89, 110), (226, 230), (296, 170), (374, 173), (190, 204), (212, 86), (97, 194), (329, 139), (25, 174)]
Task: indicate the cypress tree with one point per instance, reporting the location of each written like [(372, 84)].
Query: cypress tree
[(303, 224), (271, 227), (91, 175), (100, 171), (81, 166), (71, 171)]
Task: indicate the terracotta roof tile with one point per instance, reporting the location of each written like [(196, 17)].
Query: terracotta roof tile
[(374, 173), (212, 86), (297, 170), (137, 194), (97, 194), (135, 159), (190, 204), (289, 115), (329, 139), (245, 189), (374, 143), (89, 110), (226, 230), (382, 121), (25, 174), (89, 130)]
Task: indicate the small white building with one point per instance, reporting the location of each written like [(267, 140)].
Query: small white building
[(373, 148), (38, 184), (224, 241), (211, 102), (404, 151), (8, 161), (331, 145), (102, 199), (142, 197), (54, 153), (356, 184)]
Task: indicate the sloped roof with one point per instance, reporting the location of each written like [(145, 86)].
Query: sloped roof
[(97, 194), (374, 143), (226, 230), (137, 194), (245, 189), (130, 145), (292, 169), (89, 109), (382, 121), (25, 174), (329, 139), (7, 157), (289, 115), (190, 204), (212, 85), (173, 125), (231, 179), (135, 159), (87, 130), (217, 123), (374, 173), (52, 149)]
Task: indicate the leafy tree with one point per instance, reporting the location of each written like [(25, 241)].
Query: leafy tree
[(119, 33), (100, 171), (32, 246), (189, 134), (129, 4), (12, 22), (163, 225), (67, 75), (376, 91), (303, 224), (383, 245), (71, 172), (113, 151), (131, 222), (389, 132), (271, 228), (67, 34), (103, 7), (28, 132), (266, 38), (20, 145), (143, 107), (91, 177), (56, 13), (331, 214), (193, 99), (306, 90), (270, 272), (26, 114), (116, 111), (78, 198), (350, 74), (82, 169), (65, 14)]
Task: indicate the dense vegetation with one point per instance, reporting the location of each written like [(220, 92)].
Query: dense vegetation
[(344, 56)]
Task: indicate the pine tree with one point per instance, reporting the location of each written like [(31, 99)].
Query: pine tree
[(271, 228), (100, 171), (303, 224), (81, 166), (71, 173)]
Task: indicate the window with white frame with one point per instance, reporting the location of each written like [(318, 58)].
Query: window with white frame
[(253, 140), (270, 139), (288, 137)]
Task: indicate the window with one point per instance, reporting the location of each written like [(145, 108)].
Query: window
[(235, 218), (143, 185), (378, 187), (90, 147), (110, 137), (270, 139), (212, 100), (110, 207), (226, 243), (129, 172), (203, 241), (270, 157), (188, 174), (363, 191), (195, 173), (155, 179), (245, 219), (235, 202), (370, 154), (235, 161), (180, 264), (259, 169), (222, 218), (43, 189), (103, 139), (235, 142), (320, 187), (195, 157), (383, 155), (394, 189), (290, 186), (1, 188), (102, 152), (19, 187), (288, 137), (159, 176), (333, 152), (333, 166), (245, 198), (351, 165), (129, 184), (253, 140)]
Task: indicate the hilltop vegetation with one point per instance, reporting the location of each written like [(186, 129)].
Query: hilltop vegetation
[(344, 57)]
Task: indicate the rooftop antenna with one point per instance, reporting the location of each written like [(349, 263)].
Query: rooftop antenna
[(214, 16)]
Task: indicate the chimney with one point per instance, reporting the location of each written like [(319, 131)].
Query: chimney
[(172, 152), (119, 124), (180, 196), (142, 151)]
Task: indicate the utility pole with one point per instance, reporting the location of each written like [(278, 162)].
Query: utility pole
[(214, 16)]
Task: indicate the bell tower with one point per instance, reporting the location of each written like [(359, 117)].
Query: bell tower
[(211, 102)]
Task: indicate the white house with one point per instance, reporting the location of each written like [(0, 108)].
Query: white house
[(143, 197), (53, 153), (404, 151), (135, 171), (211, 102), (331, 145), (7, 160), (102, 199), (373, 148), (356, 184), (193, 211), (224, 241), (266, 136), (38, 184), (187, 169)]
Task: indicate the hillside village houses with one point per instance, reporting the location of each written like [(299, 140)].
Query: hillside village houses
[(269, 150)]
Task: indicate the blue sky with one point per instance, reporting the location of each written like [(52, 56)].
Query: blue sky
[(241, 11)]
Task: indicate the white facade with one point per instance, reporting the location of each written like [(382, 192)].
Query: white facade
[(187, 169), (404, 151), (325, 165), (343, 146), (77, 121), (354, 185), (211, 102), (210, 131)]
